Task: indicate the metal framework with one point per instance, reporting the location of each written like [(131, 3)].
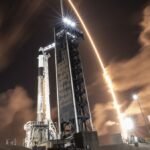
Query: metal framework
[(74, 113)]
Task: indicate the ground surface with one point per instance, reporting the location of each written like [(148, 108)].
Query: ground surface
[(110, 147), (126, 147), (4, 147)]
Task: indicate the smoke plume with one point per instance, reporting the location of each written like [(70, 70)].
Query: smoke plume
[(103, 114), (16, 109), (126, 76), (134, 73)]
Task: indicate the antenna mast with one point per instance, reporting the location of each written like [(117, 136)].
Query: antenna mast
[(62, 8)]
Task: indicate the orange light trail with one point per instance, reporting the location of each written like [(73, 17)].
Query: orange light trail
[(105, 74)]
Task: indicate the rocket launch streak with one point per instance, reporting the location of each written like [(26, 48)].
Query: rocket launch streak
[(106, 75)]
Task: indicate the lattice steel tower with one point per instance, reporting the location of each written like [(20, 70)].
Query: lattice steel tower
[(73, 107)]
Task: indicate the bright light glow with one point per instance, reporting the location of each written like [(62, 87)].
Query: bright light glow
[(128, 124), (69, 22), (105, 73), (135, 97), (49, 47), (73, 36)]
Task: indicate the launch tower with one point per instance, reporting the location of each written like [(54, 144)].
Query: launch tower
[(75, 126), (73, 107)]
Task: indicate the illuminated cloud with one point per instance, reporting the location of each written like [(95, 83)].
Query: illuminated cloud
[(16, 109), (110, 123), (145, 35), (126, 75), (134, 73), (144, 96), (131, 73), (103, 115)]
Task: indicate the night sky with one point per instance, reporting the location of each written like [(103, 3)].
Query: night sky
[(120, 31)]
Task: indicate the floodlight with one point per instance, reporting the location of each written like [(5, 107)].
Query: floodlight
[(69, 22), (135, 97), (128, 124)]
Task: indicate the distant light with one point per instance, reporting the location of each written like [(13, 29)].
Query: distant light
[(69, 22), (128, 124), (135, 97)]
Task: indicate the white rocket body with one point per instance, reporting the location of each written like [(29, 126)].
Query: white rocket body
[(43, 110), (43, 129), (43, 106)]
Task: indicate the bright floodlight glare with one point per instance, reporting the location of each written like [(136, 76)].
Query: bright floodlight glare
[(135, 97), (69, 22), (128, 124)]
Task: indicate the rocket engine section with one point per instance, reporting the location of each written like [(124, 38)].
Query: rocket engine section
[(43, 129)]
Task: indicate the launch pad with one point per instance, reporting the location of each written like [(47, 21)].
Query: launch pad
[(75, 128)]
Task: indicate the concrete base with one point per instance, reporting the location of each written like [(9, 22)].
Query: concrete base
[(122, 147), (110, 139), (86, 140), (12, 147), (110, 147)]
